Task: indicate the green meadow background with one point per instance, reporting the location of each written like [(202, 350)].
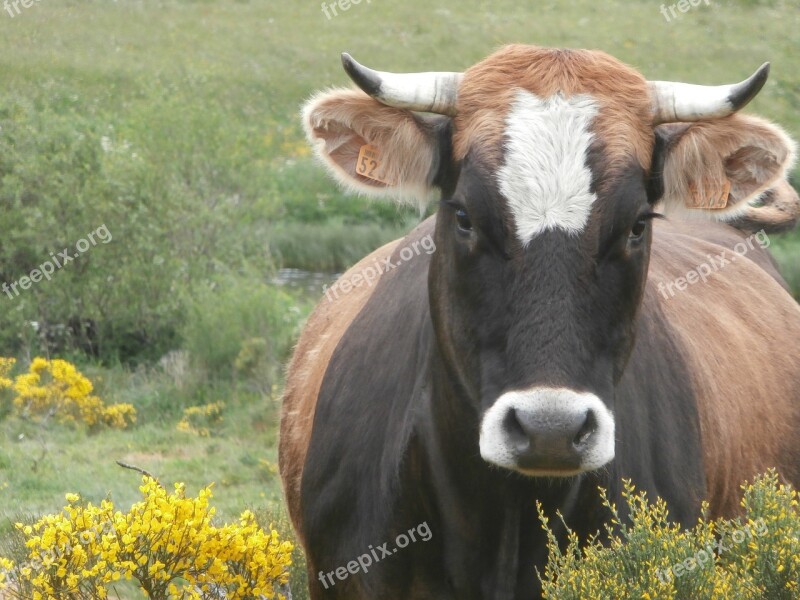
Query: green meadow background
[(175, 124)]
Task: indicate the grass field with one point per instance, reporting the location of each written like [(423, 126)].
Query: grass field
[(204, 98)]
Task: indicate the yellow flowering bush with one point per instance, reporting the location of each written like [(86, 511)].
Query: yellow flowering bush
[(6, 364), (55, 388), (753, 557), (167, 543), (202, 420)]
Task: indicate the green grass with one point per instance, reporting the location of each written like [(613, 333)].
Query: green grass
[(786, 250), (39, 464), (158, 72), (206, 95)]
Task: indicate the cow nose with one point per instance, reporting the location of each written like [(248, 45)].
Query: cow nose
[(546, 431), (550, 441)]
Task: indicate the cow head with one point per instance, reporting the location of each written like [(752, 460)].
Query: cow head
[(551, 165)]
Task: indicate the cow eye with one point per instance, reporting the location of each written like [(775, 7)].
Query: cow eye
[(639, 228), (462, 220)]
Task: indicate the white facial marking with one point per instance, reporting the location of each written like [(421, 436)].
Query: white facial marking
[(550, 406), (545, 179)]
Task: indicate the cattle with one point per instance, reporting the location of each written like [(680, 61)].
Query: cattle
[(547, 346)]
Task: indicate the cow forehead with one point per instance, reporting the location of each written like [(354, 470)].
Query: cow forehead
[(530, 117), (545, 179), (490, 94)]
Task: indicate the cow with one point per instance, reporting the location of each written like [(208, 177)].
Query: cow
[(555, 341)]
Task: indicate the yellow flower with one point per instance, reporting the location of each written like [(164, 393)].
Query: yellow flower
[(6, 364), (201, 420), (57, 387), (165, 541)]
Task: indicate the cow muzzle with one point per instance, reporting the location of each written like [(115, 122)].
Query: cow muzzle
[(548, 432)]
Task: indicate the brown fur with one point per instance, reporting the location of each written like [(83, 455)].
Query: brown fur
[(624, 122), (319, 339), (747, 401)]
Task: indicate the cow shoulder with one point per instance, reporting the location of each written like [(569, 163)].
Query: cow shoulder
[(374, 390), (322, 333), (729, 235), (739, 334)]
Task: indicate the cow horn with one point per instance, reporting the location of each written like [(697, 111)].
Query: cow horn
[(673, 101), (425, 92)]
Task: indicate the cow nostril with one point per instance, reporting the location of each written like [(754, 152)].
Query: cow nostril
[(587, 429), (515, 431)]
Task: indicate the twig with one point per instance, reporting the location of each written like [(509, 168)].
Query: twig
[(140, 470), (36, 461)]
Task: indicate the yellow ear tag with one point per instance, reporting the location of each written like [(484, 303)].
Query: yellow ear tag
[(714, 200), (369, 164)]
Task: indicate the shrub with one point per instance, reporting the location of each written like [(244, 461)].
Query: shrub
[(753, 557), (55, 388), (6, 364), (255, 365), (226, 314), (202, 420), (332, 247), (167, 181), (167, 543), (253, 356)]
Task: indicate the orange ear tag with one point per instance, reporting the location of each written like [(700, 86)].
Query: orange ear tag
[(369, 164), (715, 200)]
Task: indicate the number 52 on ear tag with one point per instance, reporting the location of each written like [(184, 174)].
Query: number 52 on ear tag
[(369, 163)]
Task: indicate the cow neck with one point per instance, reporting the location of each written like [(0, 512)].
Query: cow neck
[(486, 519)]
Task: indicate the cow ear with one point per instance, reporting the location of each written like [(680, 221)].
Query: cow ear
[(374, 149), (715, 169)]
